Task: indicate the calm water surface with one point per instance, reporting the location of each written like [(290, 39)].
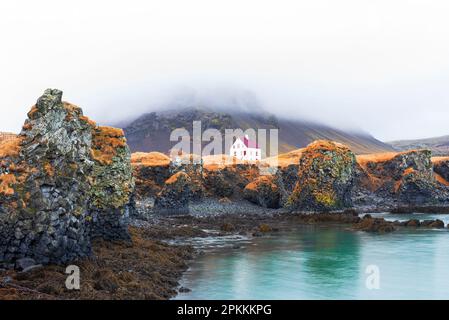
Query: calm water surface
[(316, 262)]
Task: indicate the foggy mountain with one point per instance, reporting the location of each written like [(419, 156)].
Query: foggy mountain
[(151, 131)]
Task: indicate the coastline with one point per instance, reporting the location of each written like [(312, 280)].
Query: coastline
[(152, 264)]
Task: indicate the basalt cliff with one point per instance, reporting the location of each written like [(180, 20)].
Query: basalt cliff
[(63, 181)]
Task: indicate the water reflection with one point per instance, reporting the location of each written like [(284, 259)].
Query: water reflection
[(332, 259)]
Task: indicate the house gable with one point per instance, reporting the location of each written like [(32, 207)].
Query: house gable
[(245, 149)]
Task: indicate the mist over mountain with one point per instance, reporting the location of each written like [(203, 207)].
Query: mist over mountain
[(224, 99), (230, 109)]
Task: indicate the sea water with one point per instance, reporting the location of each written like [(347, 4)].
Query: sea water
[(325, 262)]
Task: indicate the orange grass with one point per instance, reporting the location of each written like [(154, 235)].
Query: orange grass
[(150, 159), (440, 179), (105, 142), (10, 148), (6, 182)]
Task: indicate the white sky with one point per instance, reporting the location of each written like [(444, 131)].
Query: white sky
[(379, 65)]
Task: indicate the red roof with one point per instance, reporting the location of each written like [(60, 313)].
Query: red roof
[(250, 143)]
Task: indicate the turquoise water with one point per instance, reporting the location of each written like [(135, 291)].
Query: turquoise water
[(316, 262)]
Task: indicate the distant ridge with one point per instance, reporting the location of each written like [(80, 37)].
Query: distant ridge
[(438, 145), (151, 131)]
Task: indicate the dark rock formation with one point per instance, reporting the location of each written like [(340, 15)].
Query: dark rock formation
[(54, 181), (229, 180), (217, 183), (176, 194), (417, 184), (437, 223), (412, 223), (193, 168), (166, 186), (263, 191), (415, 223), (150, 171), (111, 184), (286, 179), (370, 224), (441, 167), (404, 179), (325, 178)]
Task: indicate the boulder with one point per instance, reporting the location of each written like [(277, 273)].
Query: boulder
[(377, 225), (263, 192), (412, 223), (438, 224), (176, 193), (325, 177)]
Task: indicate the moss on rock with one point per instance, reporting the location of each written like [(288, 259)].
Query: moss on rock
[(325, 177), (52, 186), (263, 191)]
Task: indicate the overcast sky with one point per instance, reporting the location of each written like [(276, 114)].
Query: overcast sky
[(378, 65)]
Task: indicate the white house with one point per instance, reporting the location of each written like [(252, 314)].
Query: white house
[(245, 149)]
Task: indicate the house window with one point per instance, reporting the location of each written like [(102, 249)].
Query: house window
[(257, 154), (235, 154), (244, 153)]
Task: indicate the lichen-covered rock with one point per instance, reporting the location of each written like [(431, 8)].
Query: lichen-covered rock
[(403, 179), (217, 183), (111, 184), (286, 178), (160, 183), (412, 172), (263, 191), (51, 177), (176, 194), (191, 165), (441, 167), (150, 171), (230, 180), (45, 211), (325, 177), (416, 187)]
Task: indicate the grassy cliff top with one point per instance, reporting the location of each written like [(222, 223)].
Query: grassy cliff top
[(149, 159)]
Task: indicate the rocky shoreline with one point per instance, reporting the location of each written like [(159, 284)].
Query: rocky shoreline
[(71, 192), (144, 268), (151, 264)]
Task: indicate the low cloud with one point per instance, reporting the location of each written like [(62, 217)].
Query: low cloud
[(380, 66)]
